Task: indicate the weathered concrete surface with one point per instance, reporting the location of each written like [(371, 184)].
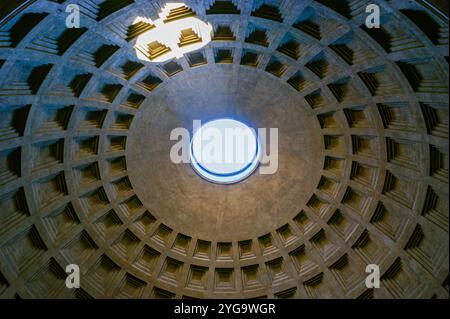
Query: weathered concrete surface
[(176, 195)]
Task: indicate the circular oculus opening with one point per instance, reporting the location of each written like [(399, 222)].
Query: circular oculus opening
[(225, 151)]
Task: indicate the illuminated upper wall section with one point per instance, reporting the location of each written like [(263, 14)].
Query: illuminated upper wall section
[(177, 31)]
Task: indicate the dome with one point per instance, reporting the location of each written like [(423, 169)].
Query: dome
[(358, 115)]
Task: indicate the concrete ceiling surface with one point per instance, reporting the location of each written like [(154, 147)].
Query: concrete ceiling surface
[(86, 177)]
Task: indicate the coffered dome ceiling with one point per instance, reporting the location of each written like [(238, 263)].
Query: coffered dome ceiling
[(86, 177)]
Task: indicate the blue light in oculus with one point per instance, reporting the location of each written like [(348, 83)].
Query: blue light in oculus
[(225, 151)]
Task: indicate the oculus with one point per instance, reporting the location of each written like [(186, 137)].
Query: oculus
[(225, 151)]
